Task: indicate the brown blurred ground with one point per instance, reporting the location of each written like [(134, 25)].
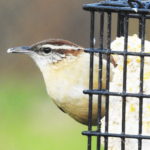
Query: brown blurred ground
[(24, 22)]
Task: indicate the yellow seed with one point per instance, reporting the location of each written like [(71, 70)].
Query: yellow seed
[(146, 125), (148, 107), (146, 75), (120, 67), (138, 60), (128, 60), (132, 108), (130, 89), (139, 46), (129, 47)]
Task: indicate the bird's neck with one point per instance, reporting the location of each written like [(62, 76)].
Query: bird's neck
[(66, 74)]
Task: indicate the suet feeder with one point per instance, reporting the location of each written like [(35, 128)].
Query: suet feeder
[(119, 14)]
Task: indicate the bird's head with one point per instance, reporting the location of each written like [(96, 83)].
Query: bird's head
[(49, 51)]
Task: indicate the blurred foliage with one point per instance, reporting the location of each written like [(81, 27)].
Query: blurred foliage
[(30, 121), (28, 118)]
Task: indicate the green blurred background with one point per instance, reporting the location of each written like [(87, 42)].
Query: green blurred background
[(28, 118)]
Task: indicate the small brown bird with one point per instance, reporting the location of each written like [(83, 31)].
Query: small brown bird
[(65, 68)]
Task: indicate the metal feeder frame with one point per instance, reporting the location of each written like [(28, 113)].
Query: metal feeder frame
[(124, 11)]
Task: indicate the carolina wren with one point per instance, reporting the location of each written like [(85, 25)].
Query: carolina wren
[(65, 68)]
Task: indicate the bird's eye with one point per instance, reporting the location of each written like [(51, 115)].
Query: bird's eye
[(47, 50)]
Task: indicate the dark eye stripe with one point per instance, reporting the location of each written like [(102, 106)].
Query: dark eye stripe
[(47, 50)]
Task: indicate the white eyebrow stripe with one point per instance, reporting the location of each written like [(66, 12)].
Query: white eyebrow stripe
[(62, 47)]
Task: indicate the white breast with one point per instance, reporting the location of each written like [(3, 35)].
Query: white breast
[(65, 82)]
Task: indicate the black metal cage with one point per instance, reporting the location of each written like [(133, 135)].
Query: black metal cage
[(124, 12)]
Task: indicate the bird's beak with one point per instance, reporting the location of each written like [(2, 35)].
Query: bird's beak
[(21, 49)]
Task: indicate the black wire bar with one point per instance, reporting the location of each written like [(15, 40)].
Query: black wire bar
[(99, 116), (120, 25), (132, 136), (124, 80), (142, 33), (107, 51), (91, 80), (117, 9), (105, 92), (107, 79)]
